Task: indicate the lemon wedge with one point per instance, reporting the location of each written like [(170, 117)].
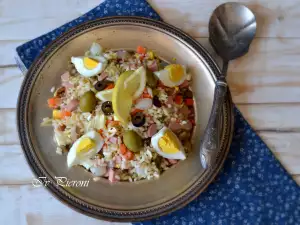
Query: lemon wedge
[(136, 82), (105, 95), (122, 99)]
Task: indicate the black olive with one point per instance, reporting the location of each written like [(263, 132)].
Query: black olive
[(107, 108), (156, 101), (147, 141), (138, 119), (101, 85)]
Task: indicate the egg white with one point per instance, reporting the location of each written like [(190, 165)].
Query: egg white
[(84, 159), (154, 141), (98, 171), (96, 49), (79, 65), (164, 77)]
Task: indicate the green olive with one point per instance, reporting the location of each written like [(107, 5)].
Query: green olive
[(132, 141), (87, 102), (151, 79)]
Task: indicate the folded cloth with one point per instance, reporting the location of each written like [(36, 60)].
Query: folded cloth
[(252, 188)]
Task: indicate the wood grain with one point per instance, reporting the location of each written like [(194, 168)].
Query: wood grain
[(8, 52), (285, 143), (28, 205), (11, 79), (274, 18), (276, 117), (12, 157), (297, 179), (265, 85), (8, 129)]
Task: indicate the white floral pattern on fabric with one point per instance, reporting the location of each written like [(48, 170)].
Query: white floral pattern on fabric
[(252, 188)]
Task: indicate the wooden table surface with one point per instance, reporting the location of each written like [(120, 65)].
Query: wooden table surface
[(265, 86)]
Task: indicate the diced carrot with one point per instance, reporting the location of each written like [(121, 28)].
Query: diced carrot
[(123, 149), (66, 113), (101, 133), (110, 86), (141, 50), (135, 111), (51, 102), (146, 95), (189, 101), (114, 123), (54, 102), (178, 99), (129, 155)]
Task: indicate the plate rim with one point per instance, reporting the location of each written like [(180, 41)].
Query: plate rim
[(87, 208)]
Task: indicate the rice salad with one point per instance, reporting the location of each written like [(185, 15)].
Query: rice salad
[(122, 115)]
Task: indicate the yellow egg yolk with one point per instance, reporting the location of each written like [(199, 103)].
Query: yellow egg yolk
[(176, 72), (168, 143), (56, 114), (90, 63), (85, 145)]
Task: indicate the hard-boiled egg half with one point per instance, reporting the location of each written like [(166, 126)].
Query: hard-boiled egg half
[(86, 147), (167, 144), (172, 75), (92, 64)]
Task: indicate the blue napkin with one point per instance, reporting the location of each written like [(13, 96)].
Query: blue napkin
[(252, 188)]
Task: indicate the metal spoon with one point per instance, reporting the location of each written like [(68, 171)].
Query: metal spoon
[(232, 27)]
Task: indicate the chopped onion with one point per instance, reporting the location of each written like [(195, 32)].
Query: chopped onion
[(46, 122), (96, 49), (99, 171), (149, 90), (144, 103)]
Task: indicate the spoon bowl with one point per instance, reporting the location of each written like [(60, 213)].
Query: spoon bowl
[(232, 28)]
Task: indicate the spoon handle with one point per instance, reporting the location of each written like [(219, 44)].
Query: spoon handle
[(210, 143)]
